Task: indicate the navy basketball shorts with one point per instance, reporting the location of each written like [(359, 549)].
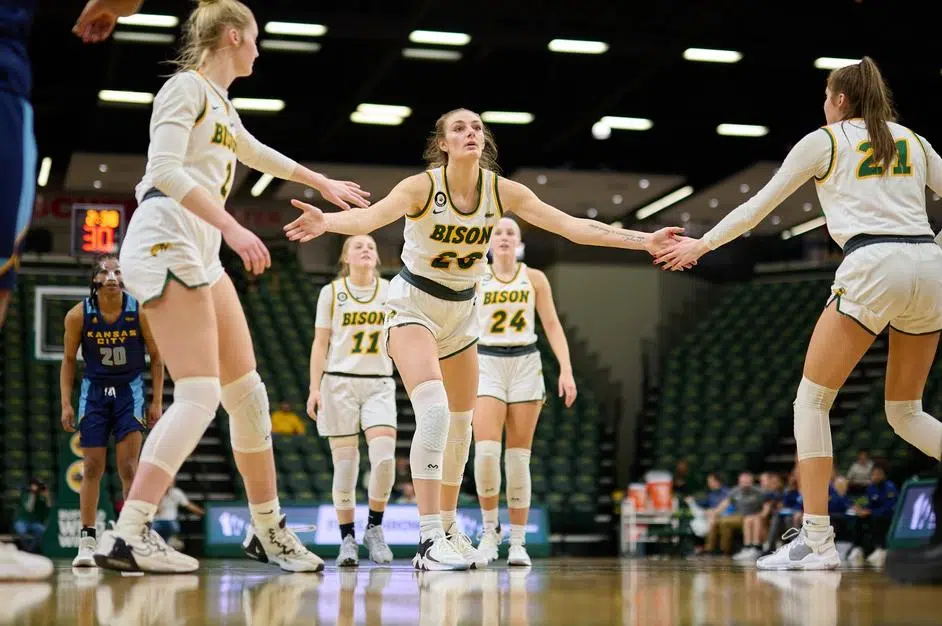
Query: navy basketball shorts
[(106, 410), (17, 181)]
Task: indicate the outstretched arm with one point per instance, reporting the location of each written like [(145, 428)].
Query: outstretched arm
[(267, 160), (99, 17), (408, 197), (555, 334), (523, 202), (812, 156)]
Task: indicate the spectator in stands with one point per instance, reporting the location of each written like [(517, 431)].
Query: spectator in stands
[(858, 475), (745, 499), (874, 518), (165, 522), (681, 476), (756, 527), (31, 515), (788, 514), (284, 421), (406, 493), (703, 510)]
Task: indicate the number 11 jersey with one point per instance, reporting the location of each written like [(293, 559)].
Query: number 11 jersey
[(355, 316)]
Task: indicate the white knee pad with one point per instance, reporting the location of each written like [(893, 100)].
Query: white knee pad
[(517, 467), (487, 468), (916, 426), (176, 434), (382, 467), (457, 448), (812, 420), (430, 404), (346, 456), (246, 402)]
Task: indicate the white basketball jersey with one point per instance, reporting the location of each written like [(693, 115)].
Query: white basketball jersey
[(357, 344), (445, 245), (211, 151), (859, 198), (508, 310)]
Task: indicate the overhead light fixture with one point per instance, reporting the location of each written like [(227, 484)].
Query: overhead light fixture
[(627, 123), (662, 203), (125, 97), (578, 46), (384, 109), (804, 227), (282, 45), (127, 36), (427, 54), (507, 117), (45, 167), (439, 38), (709, 55), (258, 104), (601, 131), (300, 29), (833, 63), (151, 20), (742, 130), (381, 119), (261, 184)]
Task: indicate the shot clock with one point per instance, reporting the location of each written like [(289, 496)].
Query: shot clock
[(97, 228)]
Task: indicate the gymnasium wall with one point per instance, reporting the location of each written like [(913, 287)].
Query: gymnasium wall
[(615, 309)]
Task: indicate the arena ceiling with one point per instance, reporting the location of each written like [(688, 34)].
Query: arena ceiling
[(507, 65)]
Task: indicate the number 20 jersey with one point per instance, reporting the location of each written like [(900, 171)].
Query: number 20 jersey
[(113, 353), (357, 339), (448, 246)]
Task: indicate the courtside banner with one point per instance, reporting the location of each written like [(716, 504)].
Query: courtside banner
[(316, 525)]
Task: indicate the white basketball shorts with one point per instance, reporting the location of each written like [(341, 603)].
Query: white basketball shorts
[(165, 241), (511, 379), (892, 284), (350, 404)]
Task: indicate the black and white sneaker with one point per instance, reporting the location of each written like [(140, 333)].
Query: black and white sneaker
[(437, 554), (141, 551), (282, 547)]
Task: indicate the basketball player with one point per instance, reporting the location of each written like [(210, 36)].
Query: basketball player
[(431, 311), (352, 389), (17, 188), (170, 259), (113, 334), (511, 390), (871, 175)]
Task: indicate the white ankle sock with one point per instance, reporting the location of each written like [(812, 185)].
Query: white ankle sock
[(430, 526), (266, 514), (518, 534), (817, 526), (448, 519), (135, 514), (490, 519)]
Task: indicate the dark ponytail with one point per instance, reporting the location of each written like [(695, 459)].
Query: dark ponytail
[(870, 98)]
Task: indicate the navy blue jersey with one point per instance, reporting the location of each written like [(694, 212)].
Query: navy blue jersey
[(113, 353), (16, 18)]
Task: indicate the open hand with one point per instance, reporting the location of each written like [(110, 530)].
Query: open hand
[(567, 388), (344, 193), (255, 256), (96, 22), (310, 223)]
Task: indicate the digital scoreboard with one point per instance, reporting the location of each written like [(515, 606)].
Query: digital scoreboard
[(97, 228)]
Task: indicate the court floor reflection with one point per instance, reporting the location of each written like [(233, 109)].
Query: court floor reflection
[(553, 591)]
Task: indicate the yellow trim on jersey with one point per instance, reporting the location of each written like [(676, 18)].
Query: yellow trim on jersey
[(333, 298), (480, 189), (919, 141), (202, 113), (830, 169), (428, 201), (500, 207), (507, 282), (346, 286)]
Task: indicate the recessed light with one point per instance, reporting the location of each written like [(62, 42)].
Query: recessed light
[(617, 199), (592, 212), (685, 217), (776, 220), (601, 130), (710, 55), (44, 169), (428, 54), (295, 28), (578, 46), (742, 130), (125, 97), (833, 63), (541, 179), (744, 188), (96, 184), (714, 203), (439, 38), (806, 207), (308, 193), (644, 183), (102, 167), (283, 45), (147, 19), (271, 105)]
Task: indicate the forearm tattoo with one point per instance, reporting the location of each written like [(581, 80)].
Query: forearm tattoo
[(625, 235)]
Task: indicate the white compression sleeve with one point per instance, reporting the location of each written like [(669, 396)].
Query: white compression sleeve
[(258, 156), (810, 157), (176, 107)]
